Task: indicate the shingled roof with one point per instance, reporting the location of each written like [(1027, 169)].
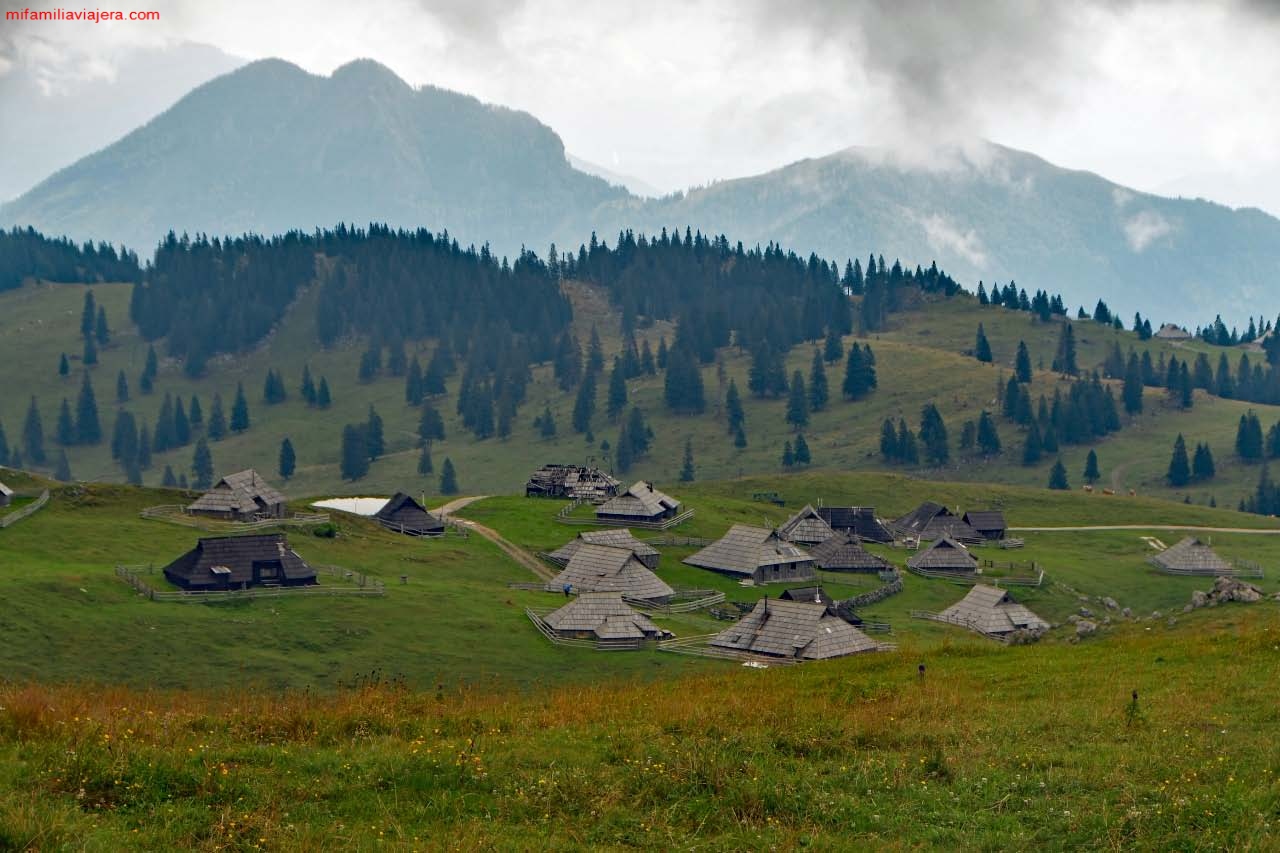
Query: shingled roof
[(1192, 556), (619, 538), (242, 493), (405, 515), (806, 527), (986, 521), (933, 521), (238, 561), (744, 549), (642, 500), (945, 555), (859, 520), (605, 615), (842, 552), (991, 611), (794, 629), (599, 568), (5, 491)]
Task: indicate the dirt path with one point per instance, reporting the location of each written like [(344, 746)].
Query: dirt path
[(1117, 477), (1263, 531), (515, 552)]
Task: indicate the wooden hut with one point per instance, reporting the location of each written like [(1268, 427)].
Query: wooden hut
[(640, 504), (861, 521), (599, 568), (405, 515), (944, 555), (806, 527), (796, 630), (931, 521), (1172, 332), (755, 553), (6, 495), (989, 523), (602, 616), (645, 553), (842, 552), (811, 594), (243, 496), (992, 612), (240, 562), (577, 482), (1192, 557)]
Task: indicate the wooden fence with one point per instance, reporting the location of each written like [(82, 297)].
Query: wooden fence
[(30, 509), (358, 584), (678, 541), (1242, 569), (686, 601), (665, 524), (956, 620), (972, 578), (176, 514)]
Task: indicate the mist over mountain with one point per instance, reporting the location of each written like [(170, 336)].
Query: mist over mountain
[(270, 147)]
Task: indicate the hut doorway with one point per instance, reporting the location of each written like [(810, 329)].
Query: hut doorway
[(267, 571)]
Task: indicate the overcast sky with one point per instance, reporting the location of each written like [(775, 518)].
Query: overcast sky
[(1157, 95)]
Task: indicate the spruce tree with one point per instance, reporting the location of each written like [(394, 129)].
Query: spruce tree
[(734, 413), (890, 450), (1133, 386), (288, 459), (425, 465), (430, 425), (819, 391), (144, 447), (217, 420), (1249, 440), (595, 353), (647, 365), (62, 471), (64, 366), (169, 481), (1009, 402), (682, 388), (968, 435), (354, 457), (1058, 477), (308, 387), (662, 352), (165, 435), (988, 435), (617, 401), (122, 388), (195, 415), (1022, 364), (323, 398), (802, 450), (907, 447), (982, 347), (90, 355), (88, 427), (739, 437), (239, 410), (124, 438), (1032, 446), (87, 315), (798, 402), (101, 333), (448, 478), (373, 433), (413, 390), (181, 426), (4, 447), (1091, 472), (788, 457), (687, 469), (1064, 360), (545, 423), (1202, 465), (833, 347), (1179, 473), (933, 435), (202, 465), (64, 432), (584, 404)]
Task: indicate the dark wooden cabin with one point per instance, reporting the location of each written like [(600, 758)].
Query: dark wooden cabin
[(405, 515), (989, 523), (240, 562)]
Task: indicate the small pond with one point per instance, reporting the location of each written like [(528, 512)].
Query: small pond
[(355, 506)]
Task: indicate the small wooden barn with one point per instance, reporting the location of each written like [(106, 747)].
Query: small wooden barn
[(577, 482), (602, 616), (755, 553), (806, 527), (931, 521), (842, 552), (861, 521), (992, 612), (1191, 556), (645, 553), (6, 495), (240, 562), (989, 523), (811, 594), (243, 496), (640, 504), (796, 630), (944, 555), (599, 568), (405, 515)]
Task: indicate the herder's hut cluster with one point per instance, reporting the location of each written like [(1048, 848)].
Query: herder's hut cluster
[(641, 504), (600, 568), (576, 482), (645, 553), (243, 496)]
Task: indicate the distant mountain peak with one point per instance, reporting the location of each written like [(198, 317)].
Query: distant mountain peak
[(368, 73)]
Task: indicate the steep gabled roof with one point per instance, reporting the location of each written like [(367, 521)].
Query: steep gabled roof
[(606, 615), (859, 520), (985, 519), (806, 527), (932, 521), (945, 555), (642, 500), (992, 611), (233, 557), (794, 629), (811, 594), (243, 492), (744, 549), (843, 552), (403, 510), (1192, 555), (617, 538), (599, 568)]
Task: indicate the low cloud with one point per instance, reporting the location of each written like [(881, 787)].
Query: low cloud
[(1145, 228), (944, 236)]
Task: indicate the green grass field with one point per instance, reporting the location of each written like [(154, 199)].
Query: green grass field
[(920, 359)]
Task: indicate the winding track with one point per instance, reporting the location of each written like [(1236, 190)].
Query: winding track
[(1259, 530), (515, 552)]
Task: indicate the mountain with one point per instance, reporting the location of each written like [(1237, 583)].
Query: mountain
[(633, 185), (997, 214), (51, 116), (270, 147)]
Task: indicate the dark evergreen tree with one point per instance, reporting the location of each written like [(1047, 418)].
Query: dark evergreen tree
[(1032, 446), (375, 441), (1249, 440), (273, 390), (686, 468), (988, 436), (933, 436), (968, 436), (239, 411), (733, 410), (65, 430), (448, 478), (144, 447), (397, 360), (617, 401), (595, 353), (323, 397), (859, 372), (425, 465), (308, 387), (101, 333), (181, 426), (584, 404), (889, 447), (147, 380), (1202, 465), (682, 388), (1058, 477), (1133, 386), (202, 465), (169, 481), (647, 365), (122, 388), (662, 352), (217, 420), (4, 448), (907, 447), (568, 362), (87, 315), (819, 390), (802, 450), (195, 415), (1022, 364), (832, 347), (88, 427), (62, 471), (288, 459), (788, 456), (740, 437), (767, 376), (798, 402), (1064, 360), (1179, 473), (413, 390), (90, 356), (165, 434), (1091, 472), (355, 452), (546, 423), (124, 438), (430, 425), (638, 432), (982, 347), (64, 366)]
